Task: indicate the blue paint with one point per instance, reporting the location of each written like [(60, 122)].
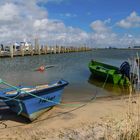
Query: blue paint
[(32, 105)]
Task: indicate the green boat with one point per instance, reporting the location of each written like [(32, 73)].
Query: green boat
[(109, 73)]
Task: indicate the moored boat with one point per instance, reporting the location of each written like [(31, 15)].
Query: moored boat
[(109, 73), (32, 101)]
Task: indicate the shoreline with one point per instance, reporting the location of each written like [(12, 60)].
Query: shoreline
[(63, 120)]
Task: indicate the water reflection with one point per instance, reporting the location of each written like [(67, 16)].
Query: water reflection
[(114, 89)]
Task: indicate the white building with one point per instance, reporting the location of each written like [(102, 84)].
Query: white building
[(25, 45)]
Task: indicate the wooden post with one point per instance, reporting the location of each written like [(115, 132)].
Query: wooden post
[(65, 50), (37, 46), (59, 49), (43, 50), (54, 49), (22, 50), (68, 49), (51, 49), (11, 51), (46, 49), (0, 52), (14, 48), (31, 50), (36, 42)]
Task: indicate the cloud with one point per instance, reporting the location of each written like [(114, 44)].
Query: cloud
[(132, 21), (8, 12), (21, 20), (102, 35), (99, 26), (17, 19), (56, 1), (69, 15), (107, 21), (49, 25)]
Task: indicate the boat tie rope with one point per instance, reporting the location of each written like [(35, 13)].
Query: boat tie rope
[(19, 101), (105, 80)]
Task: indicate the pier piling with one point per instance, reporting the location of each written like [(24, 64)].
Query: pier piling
[(37, 49), (11, 51)]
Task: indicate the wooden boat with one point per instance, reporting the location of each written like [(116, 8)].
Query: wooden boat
[(109, 73), (32, 101)]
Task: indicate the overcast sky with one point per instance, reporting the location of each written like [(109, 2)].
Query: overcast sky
[(97, 23)]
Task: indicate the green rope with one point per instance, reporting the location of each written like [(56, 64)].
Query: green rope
[(105, 80), (19, 90), (19, 101)]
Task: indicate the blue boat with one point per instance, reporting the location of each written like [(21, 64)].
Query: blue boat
[(32, 101)]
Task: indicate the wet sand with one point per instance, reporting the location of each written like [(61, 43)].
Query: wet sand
[(62, 123)]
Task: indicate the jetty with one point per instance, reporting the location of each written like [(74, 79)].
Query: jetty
[(40, 50)]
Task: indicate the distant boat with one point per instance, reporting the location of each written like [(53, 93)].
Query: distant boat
[(109, 73), (32, 101)]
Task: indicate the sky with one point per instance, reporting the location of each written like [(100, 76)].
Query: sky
[(95, 23)]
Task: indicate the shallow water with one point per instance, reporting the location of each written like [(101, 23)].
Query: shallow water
[(72, 67)]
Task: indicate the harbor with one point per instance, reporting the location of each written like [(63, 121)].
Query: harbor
[(68, 66), (84, 100), (69, 70), (26, 49)]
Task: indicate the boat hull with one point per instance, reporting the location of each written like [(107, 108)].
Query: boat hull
[(107, 73), (31, 106)]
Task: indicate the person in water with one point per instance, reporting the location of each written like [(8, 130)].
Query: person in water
[(41, 68)]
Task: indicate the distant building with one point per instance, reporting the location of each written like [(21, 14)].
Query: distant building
[(136, 47), (17, 46), (25, 45), (110, 47), (2, 47)]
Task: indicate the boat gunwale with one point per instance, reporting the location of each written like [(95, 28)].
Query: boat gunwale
[(36, 92), (103, 74), (93, 62)]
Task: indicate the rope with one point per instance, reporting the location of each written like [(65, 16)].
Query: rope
[(19, 90), (3, 124), (54, 116), (105, 80), (76, 105), (19, 101), (13, 98), (34, 122)]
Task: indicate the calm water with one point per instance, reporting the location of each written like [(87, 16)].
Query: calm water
[(72, 67)]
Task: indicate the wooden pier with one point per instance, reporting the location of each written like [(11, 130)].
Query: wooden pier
[(38, 50)]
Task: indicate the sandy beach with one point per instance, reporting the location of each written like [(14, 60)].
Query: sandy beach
[(86, 121)]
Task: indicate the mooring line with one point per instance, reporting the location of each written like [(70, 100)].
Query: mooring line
[(37, 121)]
